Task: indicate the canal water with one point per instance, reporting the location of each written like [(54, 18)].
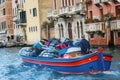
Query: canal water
[(11, 68)]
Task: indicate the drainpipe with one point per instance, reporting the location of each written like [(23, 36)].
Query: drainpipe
[(108, 32), (40, 14), (47, 31)]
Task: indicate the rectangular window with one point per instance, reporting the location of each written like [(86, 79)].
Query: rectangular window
[(91, 15), (3, 24), (34, 12), (55, 4), (3, 0), (29, 29), (63, 3), (101, 13), (91, 35), (72, 2), (118, 11), (30, 11), (14, 26), (13, 12), (69, 2), (4, 11), (36, 28), (23, 17), (118, 34)]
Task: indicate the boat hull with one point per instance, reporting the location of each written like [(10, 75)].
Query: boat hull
[(91, 63)]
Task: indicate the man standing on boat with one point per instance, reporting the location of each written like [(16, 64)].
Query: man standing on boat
[(84, 45)]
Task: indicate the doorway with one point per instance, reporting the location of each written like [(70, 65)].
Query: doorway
[(70, 31)]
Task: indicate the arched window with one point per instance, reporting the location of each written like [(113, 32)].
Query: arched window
[(78, 29), (81, 27), (59, 31), (62, 30), (70, 30)]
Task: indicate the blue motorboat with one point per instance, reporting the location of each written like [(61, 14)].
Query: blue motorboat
[(70, 63)]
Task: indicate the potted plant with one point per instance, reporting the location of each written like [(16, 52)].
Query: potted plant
[(107, 16), (118, 16), (88, 20), (114, 0), (95, 20), (88, 1)]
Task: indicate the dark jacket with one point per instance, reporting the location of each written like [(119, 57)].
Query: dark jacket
[(85, 46)]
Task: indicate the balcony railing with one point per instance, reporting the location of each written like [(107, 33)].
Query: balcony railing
[(2, 31), (115, 25), (71, 10), (52, 13), (97, 1), (20, 7), (105, 1), (19, 23), (115, 0), (2, 5), (78, 7), (94, 27), (63, 10), (66, 10), (3, 34)]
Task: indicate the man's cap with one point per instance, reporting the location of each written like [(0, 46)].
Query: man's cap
[(83, 36)]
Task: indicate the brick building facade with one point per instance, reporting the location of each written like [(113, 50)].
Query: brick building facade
[(103, 22), (6, 25)]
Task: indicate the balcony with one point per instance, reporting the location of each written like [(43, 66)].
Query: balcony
[(97, 2), (20, 7), (114, 1), (105, 1), (115, 25), (3, 34), (52, 14), (2, 31), (66, 11), (94, 27), (71, 10), (78, 7), (88, 2), (22, 24), (63, 11), (2, 5)]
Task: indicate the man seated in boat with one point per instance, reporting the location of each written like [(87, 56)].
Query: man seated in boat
[(37, 48), (84, 44)]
